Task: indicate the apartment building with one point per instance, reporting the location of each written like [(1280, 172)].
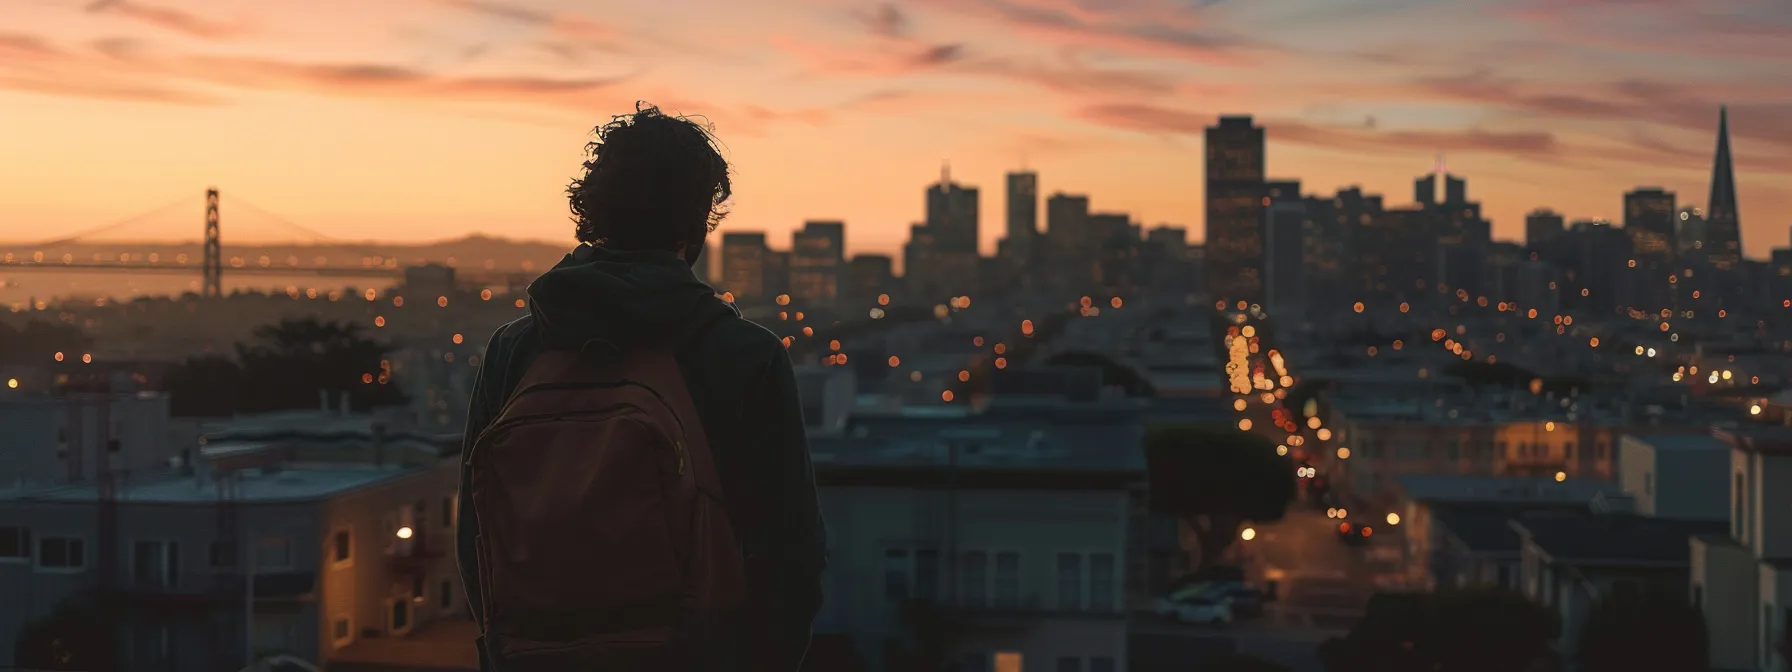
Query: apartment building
[(245, 551), (1742, 578), (1009, 529)]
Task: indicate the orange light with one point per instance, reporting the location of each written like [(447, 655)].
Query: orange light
[(895, 361), (946, 395), (834, 345), (1368, 531), (1358, 307), (1344, 527), (964, 376)]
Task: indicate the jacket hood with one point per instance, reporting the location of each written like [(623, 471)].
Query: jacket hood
[(628, 298)]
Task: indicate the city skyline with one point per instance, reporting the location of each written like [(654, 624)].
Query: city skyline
[(342, 129)]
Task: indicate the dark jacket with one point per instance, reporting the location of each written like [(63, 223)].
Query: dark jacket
[(744, 390)]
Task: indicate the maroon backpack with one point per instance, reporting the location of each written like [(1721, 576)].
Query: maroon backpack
[(604, 539)]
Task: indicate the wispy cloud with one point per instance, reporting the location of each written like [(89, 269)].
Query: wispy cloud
[(168, 18), (1366, 137), (1157, 29), (1677, 105)]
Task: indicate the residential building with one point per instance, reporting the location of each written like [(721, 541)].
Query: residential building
[(250, 549), (1011, 525), (1451, 526), (1742, 579), (1677, 477)]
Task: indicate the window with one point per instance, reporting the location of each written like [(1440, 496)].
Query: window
[(1070, 664), (445, 595), (976, 578), (1007, 579), (222, 555), (155, 564), (1101, 581), (342, 547), (15, 543), (1101, 664), (896, 574), (927, 574), (342, 631), (1568, 450), (1070, 581), (447, 512), (418, 592), (1008, 661), (400, 616), (63, 553), (273, 553)]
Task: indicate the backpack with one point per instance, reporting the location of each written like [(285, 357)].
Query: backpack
[(604, 540)]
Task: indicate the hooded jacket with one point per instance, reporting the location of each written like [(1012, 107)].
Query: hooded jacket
[(745, 394)]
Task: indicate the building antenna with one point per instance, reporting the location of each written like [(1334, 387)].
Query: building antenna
[(1440, 169), (945, 173)]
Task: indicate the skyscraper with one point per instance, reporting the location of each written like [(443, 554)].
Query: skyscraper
[(1723, 233), (1542, 226), (952, 215), (744, 265), (1023, 210), (1235, 194), (818, 261), (1424, 190), (1649, 222)]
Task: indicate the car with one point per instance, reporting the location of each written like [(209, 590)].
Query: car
[(1205, 609)]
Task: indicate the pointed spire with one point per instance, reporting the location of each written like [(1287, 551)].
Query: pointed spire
[(1723, 234), (945, 173)]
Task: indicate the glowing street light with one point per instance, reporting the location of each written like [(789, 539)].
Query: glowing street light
[(404, 532), (1248, 534), (1393, 519)]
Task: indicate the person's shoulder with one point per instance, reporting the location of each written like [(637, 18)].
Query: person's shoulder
[(741, 337)]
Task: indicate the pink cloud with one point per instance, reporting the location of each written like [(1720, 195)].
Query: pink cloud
[(167, 18)]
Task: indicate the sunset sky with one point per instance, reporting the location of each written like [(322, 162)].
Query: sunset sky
[(427, 119)]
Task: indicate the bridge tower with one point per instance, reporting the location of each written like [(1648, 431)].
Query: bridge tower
[(213, 284)]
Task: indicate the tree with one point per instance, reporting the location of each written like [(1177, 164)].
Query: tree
[(1632, 632), (1453, 630), (71, 637), (286, 367), (38, 342), (1113, 373), (1216, 477)]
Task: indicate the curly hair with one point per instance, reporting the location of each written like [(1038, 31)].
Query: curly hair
[(651, 182)]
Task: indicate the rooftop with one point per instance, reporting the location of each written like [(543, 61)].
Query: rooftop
[(1498, 489), (1680, 442), (1483, 528), (989, 446), (1615, 539), (291, 483)]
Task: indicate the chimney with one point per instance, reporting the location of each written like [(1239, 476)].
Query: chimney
[(345, 403)]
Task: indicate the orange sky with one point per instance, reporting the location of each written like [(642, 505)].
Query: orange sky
[(423, 119)]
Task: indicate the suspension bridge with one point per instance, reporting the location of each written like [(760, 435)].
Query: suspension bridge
[(212, 264)]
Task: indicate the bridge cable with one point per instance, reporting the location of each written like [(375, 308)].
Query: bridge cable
[(315, 235), (184, 200)]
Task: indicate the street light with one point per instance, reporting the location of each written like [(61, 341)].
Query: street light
[(1393, 519), (404, 532), (1248, 534)]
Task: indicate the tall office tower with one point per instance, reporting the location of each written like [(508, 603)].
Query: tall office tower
[(869, 275), (1649, 221), (1455, 190), (1723, 233), (1023, 211), (1067, 220), (1284, 259), (744, 265), (952, 214), (1424, 190), (1542, 226), (1689, 233), (1234, 228), (818, 261)]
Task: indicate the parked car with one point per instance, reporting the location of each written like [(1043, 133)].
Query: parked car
[(1204, 609), (1203, 603)]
